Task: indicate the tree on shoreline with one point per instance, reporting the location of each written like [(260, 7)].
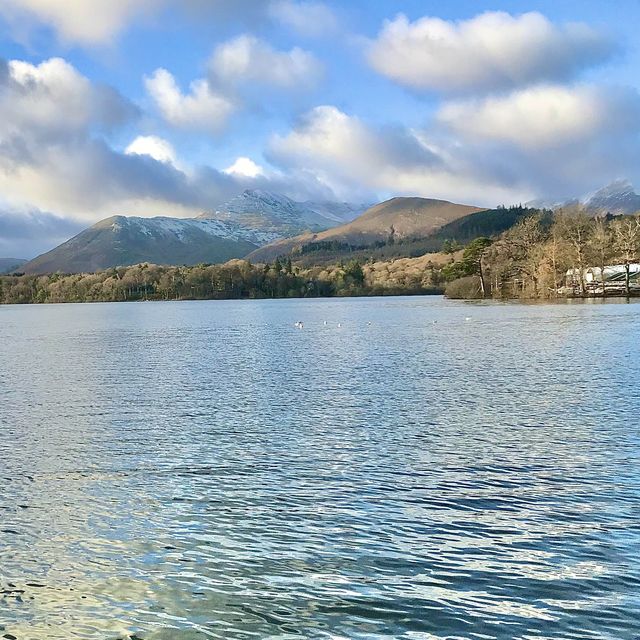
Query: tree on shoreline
[(626, 235), (533, 258)]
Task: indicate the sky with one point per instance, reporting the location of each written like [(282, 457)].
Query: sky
[(170, 107)]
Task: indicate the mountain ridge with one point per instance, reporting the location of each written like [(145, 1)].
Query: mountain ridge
[(277, 213), (244, 223), (397, 218), (123, 241), (617, 198)]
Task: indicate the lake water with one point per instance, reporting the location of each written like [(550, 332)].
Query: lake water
[(192, 470)]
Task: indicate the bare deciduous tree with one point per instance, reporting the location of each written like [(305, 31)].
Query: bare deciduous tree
[(626, 236), (576, 230)]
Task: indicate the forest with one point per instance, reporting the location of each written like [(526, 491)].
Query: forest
[(237, 279), (532, 258)]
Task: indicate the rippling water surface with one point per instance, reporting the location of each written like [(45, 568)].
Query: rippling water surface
[(206, 470)]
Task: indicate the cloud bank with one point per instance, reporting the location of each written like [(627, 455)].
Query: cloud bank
[(545, 116), (26, 234), (491, 51), (548, 140), (91, 23)]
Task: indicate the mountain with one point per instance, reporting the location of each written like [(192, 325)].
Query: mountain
[(618, 198), (278, 214), (395, 219), (250, 220), (552, 205), (121, 241), (7, 265)]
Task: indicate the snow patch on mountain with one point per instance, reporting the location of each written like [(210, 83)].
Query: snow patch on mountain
[(281, 214), (182, 228), (617, 198)]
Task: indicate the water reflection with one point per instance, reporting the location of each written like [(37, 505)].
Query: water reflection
[(206, 470)]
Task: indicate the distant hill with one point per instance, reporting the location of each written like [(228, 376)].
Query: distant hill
[(389, 221), (123, 241), (280, 215), (617, 198), (7, 265)]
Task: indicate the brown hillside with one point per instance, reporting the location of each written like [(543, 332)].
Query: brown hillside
[(398, 218)]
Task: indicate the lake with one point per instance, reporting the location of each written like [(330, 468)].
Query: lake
[(414, 468)]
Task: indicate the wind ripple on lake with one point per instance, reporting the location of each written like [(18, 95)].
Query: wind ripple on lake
[(196, 470)]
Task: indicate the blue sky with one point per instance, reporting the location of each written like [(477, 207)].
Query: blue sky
[(156, 107)]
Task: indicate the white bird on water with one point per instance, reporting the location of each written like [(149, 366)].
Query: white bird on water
[(299, 325)]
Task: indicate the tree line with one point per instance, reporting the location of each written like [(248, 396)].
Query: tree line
[(236, 279), (532, 259)]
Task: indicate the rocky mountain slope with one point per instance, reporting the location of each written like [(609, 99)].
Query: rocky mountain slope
[(278, 214), (617, 198)]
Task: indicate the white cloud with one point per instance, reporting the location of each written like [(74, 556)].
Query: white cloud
[(81, 21), (246, 59), (154, 147), (352, 157), (493, 50), (98, 22), (201, 109), (55, 99), (245, 167), (476, 161), (54, 157), (545, 116), (308, 18)]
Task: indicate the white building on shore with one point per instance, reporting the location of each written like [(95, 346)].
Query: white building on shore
[(614, 280)]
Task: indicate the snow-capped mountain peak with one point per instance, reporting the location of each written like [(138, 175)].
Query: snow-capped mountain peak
[(619, 197), (278, 213)]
